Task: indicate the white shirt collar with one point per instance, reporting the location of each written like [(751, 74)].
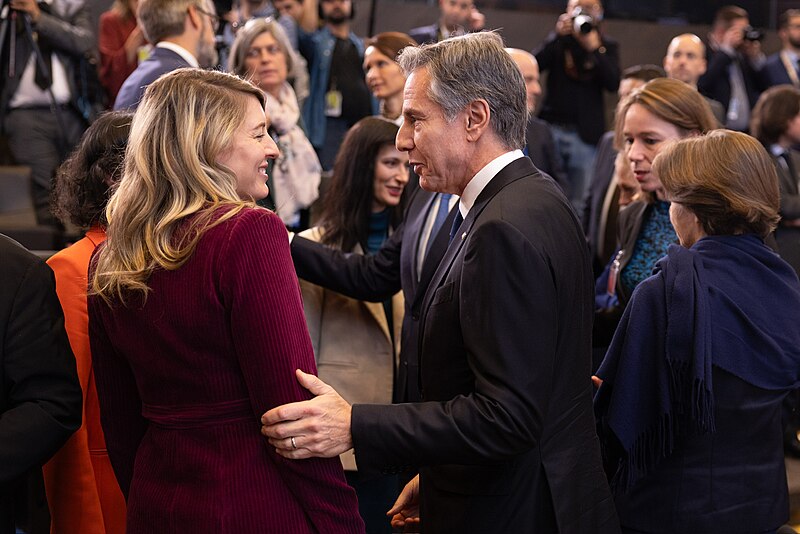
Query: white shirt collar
[(181, 51), (777, 150), (482, 179)]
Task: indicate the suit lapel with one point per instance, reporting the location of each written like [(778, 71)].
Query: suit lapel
[(415, 226), (436, 251), (515, 170)]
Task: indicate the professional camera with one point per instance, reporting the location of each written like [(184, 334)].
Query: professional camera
[(582, 22), (752, 34)]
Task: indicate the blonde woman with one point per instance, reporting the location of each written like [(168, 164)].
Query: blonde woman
[(197, 327)]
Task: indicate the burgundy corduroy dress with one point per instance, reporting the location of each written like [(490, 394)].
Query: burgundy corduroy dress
[(184, 379)]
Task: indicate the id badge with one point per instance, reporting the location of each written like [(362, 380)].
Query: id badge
[(333, 104)]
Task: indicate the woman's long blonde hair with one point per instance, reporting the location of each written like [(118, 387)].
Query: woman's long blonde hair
[(185, 121)]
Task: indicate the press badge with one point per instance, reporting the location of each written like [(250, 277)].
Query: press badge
[(333, 103)]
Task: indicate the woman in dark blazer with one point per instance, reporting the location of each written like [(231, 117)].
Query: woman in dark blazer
[(689, 410), (661, 111), (197, 327)]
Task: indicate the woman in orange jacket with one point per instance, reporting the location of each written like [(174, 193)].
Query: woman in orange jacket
[(82, 491)]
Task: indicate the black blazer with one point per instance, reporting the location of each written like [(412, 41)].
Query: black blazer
[(577, 98), (787, 237), (504, 438), (542, 151), (773, 72), (716, 83), (602, 173), (40, 397), (377, 277), (70, 35)]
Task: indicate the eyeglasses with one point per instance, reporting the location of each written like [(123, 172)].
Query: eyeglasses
[(271, 50), (215, 20)]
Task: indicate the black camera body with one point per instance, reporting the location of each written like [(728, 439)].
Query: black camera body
[(582, 22), (752, 34)]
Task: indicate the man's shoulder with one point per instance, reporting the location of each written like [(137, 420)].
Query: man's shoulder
[(773, 60), (159, 62), (19, 263), (424, 34), (535, 124)]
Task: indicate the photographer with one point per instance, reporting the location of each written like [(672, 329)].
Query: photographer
[(38, 138), (734, 58), (582, 63)]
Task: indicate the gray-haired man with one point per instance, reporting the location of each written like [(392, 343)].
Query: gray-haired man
[(504, 436)]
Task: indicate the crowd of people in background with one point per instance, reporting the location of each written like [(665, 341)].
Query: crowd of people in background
[(317, 278)]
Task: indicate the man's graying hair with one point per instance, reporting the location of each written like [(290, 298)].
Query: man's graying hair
[(161, 19), (472, 67)]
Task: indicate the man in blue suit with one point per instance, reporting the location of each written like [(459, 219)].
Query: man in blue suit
[(183, 31), (784, 66)]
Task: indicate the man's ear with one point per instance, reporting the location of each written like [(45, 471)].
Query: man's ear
[(194, 18), (477, 117)]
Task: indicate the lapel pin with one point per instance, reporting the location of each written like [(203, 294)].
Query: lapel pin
[(463, 236)]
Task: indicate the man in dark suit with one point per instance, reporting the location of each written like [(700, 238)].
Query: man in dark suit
[(731, 77), (784, 67), (504, 433), (40, 397), (39, 136), (582, 63), (457, 17), (183, 31), (539, 143), (686, 61)]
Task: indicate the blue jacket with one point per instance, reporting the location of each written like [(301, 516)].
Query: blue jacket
[(317, 48), (160, 61)]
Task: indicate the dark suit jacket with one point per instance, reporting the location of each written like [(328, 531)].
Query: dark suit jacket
[(377, 277), (40, 397), (542, 151), (578, 101), (505, 437), (602, 172), (71, 37), (774, 71), (788, 238), (160, 61), (716, 83), (425, 34)]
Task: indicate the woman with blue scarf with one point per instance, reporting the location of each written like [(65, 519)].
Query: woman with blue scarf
[(689, 410)]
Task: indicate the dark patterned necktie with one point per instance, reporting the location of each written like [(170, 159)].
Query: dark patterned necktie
[(44, 79)]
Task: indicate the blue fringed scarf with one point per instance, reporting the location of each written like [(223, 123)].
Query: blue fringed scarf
[(728, 301)]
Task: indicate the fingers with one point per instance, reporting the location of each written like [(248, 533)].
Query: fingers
[(399, 504), (312, 383), (288, 412)]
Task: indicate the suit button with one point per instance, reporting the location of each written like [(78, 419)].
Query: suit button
[(415, 316)]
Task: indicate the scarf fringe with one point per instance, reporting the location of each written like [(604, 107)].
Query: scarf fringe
[(692, 412)]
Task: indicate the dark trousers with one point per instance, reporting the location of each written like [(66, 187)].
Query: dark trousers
[(36, 141)]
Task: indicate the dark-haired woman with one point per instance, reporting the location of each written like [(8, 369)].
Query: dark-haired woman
[(689, 410), (82, 493), (355, 342)]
